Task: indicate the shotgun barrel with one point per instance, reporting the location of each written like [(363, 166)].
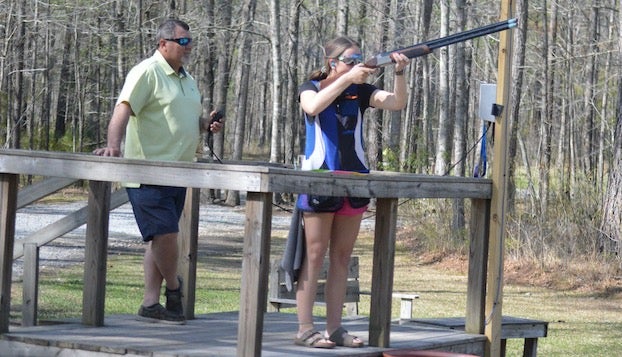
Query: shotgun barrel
[(424, 48)]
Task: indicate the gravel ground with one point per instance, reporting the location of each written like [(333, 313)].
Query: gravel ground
[(216, 221), (218, 224)]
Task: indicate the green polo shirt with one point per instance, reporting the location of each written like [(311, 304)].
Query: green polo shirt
[(166, 110)]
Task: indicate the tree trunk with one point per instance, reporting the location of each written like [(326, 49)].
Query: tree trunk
[(223, 72), (241, 89), (292, 117), (209, 58), (461, 85), (444, 125), (588, 99), (392, 124), (611, 227), (47, 101), (342, 17), (263, 97), (18, 103), (374, 116), (275, 46), (565, 137), (32, 116), (548, 102), (604, 115), (410, 132), (516, 95), (427, 143)]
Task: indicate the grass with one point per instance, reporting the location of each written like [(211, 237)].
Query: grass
[(581, 323), (60, 290)]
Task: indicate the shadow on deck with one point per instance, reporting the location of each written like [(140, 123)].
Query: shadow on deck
[(216, 335)]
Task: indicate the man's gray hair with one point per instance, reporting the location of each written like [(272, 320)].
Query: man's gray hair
[(167, 28)]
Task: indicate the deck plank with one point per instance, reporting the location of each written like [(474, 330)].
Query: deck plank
[(216, 335)]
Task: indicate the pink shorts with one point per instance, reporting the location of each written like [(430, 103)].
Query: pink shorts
[(348, 210)]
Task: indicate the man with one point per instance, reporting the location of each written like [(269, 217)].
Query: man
[(159, 113)]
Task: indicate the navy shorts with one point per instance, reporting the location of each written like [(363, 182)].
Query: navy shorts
[(157, 209)]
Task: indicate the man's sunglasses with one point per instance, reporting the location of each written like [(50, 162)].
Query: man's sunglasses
[(184, 41), (352, 59)]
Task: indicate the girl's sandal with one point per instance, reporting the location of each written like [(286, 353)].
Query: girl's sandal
[(313, 339), (341, 337)]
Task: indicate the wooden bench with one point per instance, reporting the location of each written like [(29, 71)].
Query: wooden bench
[(279, 297), (511, 327)]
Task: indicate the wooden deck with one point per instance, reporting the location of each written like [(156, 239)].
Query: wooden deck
[(260, 182), (511, 327), (216, 335)]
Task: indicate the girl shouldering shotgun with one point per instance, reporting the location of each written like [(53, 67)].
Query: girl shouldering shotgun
[(334, 100)]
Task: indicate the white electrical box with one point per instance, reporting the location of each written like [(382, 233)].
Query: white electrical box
[(487, 98)]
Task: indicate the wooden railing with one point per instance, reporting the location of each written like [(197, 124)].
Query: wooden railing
[(64, 225), (260, 182), (29, 246)]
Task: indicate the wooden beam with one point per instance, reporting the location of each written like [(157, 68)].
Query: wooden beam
[(30, 285), (43, 188), (64, 225), (96, 254), (188, 245), (241, 177), (255, 269), (494, 291), (8, 209), (382, 272), (478, 261)]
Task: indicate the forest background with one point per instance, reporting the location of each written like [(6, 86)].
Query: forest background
[(62, 64)]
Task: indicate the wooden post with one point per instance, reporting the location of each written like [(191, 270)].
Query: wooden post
[(494, 292), (478, 253), (96, 253), (188, 244), (382, 272), (8, 209), (255, 268), (30, 284)]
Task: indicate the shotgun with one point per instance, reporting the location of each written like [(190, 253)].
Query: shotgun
[(424, 48)]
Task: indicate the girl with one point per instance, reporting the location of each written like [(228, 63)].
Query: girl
[(334, 101)]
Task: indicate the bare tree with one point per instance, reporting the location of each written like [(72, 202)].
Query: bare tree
[(292, 118), (374, 117), (342, 17), (590, 84), (444, 125), (547, 104), (392, 119), (518, 63), (241, 88), (223, 49), (18, 103), (611, 226), (426, 95), (604, 113), (461, 90), (276, 55)]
